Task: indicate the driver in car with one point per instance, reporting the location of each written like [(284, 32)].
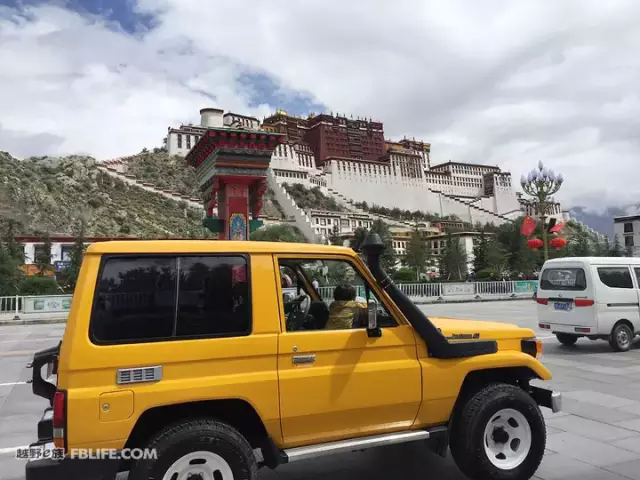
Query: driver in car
[(344, 309)]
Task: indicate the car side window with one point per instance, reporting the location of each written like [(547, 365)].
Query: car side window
[(213, 297), (343, 293), (637, 270), (146, 299), (615, 277)]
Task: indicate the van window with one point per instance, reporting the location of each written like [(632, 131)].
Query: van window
[(142, 299), (615, 277), (568, 279)]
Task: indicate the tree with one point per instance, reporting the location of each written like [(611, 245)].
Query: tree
[(388, 259), (278, 233), (69, 276), (14, 249), (453, 260), (520, 259), (43, 256), (334, 236), (77, 250), (404, 275), (601, 247), (480, 253), (359, 235), (579, 244), (617, 250), (495, 262), (10, 273), (417, 253), (39, 285)]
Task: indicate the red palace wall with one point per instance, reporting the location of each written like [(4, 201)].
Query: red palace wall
[(340, 141)]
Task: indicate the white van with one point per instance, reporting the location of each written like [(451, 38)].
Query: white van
[(593, 297)]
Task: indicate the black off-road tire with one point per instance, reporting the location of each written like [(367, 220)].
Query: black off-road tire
[(467, 441), (567, 339), (621, 331), (181, 439)]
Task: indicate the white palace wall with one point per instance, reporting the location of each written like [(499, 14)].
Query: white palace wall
[(387, 191), (375, 184)]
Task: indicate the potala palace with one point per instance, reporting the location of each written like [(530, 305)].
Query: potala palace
[(351, 160)]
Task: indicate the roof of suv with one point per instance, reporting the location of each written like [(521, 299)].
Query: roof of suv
[(213, 246)]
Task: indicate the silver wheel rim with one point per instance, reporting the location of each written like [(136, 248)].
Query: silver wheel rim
[(507, 439), (623, 337), (199, 466)]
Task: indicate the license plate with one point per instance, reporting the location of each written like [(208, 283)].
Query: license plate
[(566, 306)]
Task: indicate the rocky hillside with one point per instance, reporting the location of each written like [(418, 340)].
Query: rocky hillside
[(53, 194), (312, 198), (172, 173)]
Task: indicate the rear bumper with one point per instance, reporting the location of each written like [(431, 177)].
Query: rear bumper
[(569, 329), (547, 398), (69, 468), (47, 467)]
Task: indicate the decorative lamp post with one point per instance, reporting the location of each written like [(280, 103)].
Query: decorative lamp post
[(541, 184)]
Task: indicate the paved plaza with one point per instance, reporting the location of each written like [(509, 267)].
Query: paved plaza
[(596, 437)]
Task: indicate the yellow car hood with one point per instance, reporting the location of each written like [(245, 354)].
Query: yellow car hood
[(456, 329)]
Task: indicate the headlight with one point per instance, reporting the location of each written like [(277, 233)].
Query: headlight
[(532, 346)]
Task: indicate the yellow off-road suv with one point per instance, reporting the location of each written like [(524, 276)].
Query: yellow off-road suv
[(221, 357)]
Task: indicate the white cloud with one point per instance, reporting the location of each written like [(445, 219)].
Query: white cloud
[(498, 82)]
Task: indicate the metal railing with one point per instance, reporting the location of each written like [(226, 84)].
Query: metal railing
[(17, 305), (11, 305)]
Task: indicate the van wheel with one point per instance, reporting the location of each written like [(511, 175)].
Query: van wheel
[(498, 433), (621, 337), (566, 339), (203, 449)]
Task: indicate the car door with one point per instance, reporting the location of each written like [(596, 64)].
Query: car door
[(617, 296), (637, 285), (340, 383)]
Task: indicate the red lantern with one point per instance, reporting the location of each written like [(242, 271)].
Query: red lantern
[(534, 243), (558, 242)]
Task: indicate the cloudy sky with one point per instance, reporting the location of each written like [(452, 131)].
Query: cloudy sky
[(501, 82)]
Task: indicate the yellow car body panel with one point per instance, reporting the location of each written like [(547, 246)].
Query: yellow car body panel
[(242, 368)]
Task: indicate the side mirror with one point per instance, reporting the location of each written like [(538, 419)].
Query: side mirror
[(372, 320)]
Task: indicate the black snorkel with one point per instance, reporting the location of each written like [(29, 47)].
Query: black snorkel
[(437, 344)]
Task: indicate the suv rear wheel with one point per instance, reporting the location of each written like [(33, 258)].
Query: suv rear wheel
[(566, 339), (498, 433), (201, 449)]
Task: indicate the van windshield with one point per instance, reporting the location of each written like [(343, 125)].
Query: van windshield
[(563, 279)]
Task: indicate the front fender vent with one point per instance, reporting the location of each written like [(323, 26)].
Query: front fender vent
[(139, 375)]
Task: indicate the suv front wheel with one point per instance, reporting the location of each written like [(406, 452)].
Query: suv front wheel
[(203, 449), (498, 433)]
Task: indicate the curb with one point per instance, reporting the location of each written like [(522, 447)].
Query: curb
[(475, 300), (32, 322), (419, 302)]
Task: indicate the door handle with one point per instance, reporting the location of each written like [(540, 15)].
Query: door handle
[(302, 359)]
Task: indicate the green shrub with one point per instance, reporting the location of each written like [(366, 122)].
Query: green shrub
[(37, 285)]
